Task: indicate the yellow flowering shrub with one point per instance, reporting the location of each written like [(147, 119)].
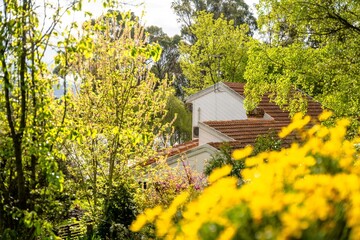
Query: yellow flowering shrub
[(310, 190)]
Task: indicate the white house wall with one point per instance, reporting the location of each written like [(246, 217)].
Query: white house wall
[(208, 135), (218, 105), (195, 158)]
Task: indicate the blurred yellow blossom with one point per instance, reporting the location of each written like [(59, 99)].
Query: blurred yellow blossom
[(219, 173), (242, 153), (310, 190), (325, 115)]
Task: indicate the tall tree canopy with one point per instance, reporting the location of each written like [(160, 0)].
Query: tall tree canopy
[(117, 112), (168, 66), (220, 52), (30, 178), (312, 46), (236, 10)]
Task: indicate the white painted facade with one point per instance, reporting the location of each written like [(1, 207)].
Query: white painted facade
[(216, 103), (196, 158), (208, 134)]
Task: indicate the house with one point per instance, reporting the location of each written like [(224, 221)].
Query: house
[(219, 116)]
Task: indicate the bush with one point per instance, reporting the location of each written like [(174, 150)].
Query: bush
[(310, 190), (119, 211), (223, 158), (167, 182)]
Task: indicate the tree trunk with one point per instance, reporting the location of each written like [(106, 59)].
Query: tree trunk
[(20, 172)]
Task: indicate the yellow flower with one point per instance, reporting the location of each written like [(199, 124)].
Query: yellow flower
[(219, 173), (163, 222), (228, 233), (300, 186), (242, 153), (285, 131), (297, 123), (152, 213), (138, 223), (325, 115)]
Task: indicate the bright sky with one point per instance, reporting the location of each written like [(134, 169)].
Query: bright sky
[(156, 12), (159, 13)]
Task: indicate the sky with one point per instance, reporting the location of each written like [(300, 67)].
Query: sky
[(159, 13), (156, 12)]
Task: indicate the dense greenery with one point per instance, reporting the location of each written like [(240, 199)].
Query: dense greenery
[(30, 178), (312, 46), (235, 10), (222, 158), (219, 53), (87, 151), (70, 154), (168, 66), (307, 191)]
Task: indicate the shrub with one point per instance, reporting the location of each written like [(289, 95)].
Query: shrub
[(223, 158), (310, 190), (167, 182), (120, 210)]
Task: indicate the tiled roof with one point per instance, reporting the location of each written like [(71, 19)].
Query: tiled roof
[(232, 144), (177, 149), (180, 148), (245, 132), (314, 108)]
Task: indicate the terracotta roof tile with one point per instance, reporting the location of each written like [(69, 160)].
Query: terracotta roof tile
[(180, 148), (232, 144), (177, 149), (245, 132), (314, 108)]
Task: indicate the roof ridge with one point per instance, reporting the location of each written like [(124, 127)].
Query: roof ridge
[(243, 120)]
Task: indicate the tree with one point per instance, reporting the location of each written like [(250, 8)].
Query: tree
[(180, 118), (220, 52), (117, 112), (317, 53), (168, 66), (222, 158), (29, 174), (267, 142), (235, 10)]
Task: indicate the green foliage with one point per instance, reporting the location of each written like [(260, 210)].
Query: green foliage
[(311, 46), (219, 53), (31, 182), (115, 118), (121, 209), (168, 66), (85, 141), (223, 158), (235, 10), (180, 117), (267, 142)]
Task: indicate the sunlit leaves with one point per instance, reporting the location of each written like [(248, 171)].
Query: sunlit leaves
[(218, 54), (309, 46), (118, 109)]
